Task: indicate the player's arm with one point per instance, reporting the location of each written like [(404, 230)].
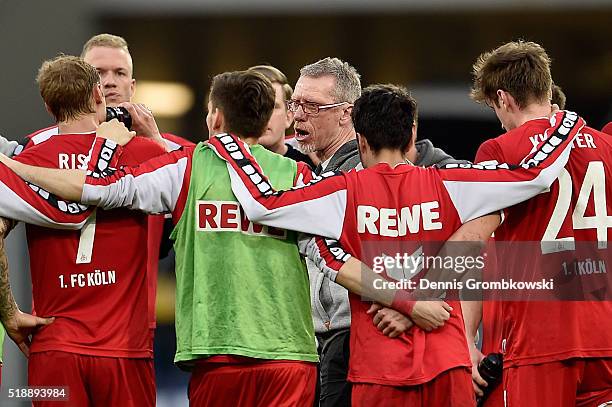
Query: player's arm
[(467, 242), (103, 157), (478, 190), (18, 325), (323, 199), (359, 279), (472, 315), (31, 203), (155, 186)]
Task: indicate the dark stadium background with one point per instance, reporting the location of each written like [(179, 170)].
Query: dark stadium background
[(426, 45)]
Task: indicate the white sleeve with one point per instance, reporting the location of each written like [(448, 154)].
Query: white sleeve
[(152, 187)]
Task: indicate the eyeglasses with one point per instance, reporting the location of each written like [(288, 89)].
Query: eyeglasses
[(310, 108)]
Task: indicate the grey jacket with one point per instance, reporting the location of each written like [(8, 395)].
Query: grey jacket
[(329, 301), (330, 305)]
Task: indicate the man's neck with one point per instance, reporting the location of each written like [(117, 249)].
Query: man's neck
[(250, 140), (85, 124), (412, 154), (343, 137), (391, 157), (531, 112)]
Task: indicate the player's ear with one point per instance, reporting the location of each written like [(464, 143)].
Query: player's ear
[(362, 143), (346, 115), (501, 98), (98, 94), (506, 100), (218, 120), (132, 88)]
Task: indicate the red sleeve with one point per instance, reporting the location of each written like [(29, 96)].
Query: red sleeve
[(157, 185), (103, 157), (105, 154), (607, 128), (332, 253), (304, 174), (477, 190), (293, 209)]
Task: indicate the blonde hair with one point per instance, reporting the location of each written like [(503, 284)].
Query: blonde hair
[(105, 40), (66, 84), (275, 75)]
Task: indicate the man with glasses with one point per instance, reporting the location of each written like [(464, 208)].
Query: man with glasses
[(321, 104)]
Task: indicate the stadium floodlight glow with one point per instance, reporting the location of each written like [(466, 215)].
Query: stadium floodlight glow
[(165, 99)]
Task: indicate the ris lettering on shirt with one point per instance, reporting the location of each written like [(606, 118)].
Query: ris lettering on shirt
[(72, 161), (388, 222), (227, 216)]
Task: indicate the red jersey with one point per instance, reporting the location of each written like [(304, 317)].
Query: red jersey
[(98, 297), (155, 222), (361, 208), (575, 209)]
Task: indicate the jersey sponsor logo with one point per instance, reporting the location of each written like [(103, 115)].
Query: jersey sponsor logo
[(227, 216), (389, 222)]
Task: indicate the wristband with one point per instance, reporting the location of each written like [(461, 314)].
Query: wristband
[(403, 301)]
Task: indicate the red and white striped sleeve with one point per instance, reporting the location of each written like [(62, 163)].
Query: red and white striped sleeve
[(158, 185), (29, 203), (479, 189), (25, 202), (304, 174), (323, 199)]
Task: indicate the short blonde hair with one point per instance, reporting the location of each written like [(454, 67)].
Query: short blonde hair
[(521, 68), (275, 75), (66, 85), (105, 40)]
